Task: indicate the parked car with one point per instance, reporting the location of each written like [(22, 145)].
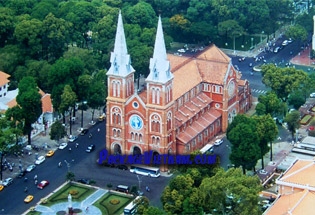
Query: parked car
[(90, 148), (285, 42), (50, 153), (7, 182), (30, 167), (123, 167), (22, 173), (72, 138), (312, 95), (40, 160), (84, 131), (84, 181), (276, 50), (62, 145), (28, 199), (42, 184), (218, 142)]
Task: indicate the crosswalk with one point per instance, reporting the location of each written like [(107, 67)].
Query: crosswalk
[(259, 91)]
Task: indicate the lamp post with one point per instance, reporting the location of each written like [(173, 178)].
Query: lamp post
[(1, 154), (234, 44), (261, 36), (252, 41), (68, 165), (83, 103), (139, 181)]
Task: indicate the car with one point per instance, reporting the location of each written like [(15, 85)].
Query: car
[(285, 42), (90, 148), (40, 160), (30, 168), (50, 153), (84, 131), (1, 187), (218, 142), (43, 184), (22, 174), (72, 138), (123, 167), (312, 95), (101, 118), (7, 182), (28, 199), (62, 145), (84, 181), (276, 50), (290, 40)]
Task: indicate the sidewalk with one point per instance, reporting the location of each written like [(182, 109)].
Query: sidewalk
[(44, 144)]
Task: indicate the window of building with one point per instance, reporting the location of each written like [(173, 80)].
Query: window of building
[(192, 93), (194, 143), (186, 97), (180, 101), (169, 121), (155, 122)]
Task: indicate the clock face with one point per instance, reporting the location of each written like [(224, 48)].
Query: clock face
[(136, 122), (231, 88)]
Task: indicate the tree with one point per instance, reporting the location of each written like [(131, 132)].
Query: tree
[(68, 100), (70, 176), (293, 121), (268, 104), (297, 32), (283, 81), (230, 188), (296, 99), (230, 28), (29, 101), (14, 116), (243, 135), (267, 131), (57, 131), (142, 14)]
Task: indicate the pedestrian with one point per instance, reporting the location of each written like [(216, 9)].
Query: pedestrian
[(87, 208), (98, 130), (35, 177), (36, 182), (25, 179), (76, 145), (69, 149), (26, 189)]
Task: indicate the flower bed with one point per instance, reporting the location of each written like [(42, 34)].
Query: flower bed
[(305, 119)]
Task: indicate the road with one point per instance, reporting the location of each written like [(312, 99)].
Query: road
[(83, 165)]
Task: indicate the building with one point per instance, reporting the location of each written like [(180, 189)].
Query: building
[(296, 188), (184, 103)]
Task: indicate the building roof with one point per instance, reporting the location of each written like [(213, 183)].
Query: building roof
[(47, 106), (301, 173), (209, 66), (294, 204), (4, 78)]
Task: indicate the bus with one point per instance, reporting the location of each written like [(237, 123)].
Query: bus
[(132, 207), (145, 170)]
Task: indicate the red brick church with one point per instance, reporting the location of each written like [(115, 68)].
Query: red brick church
[(184, 104)]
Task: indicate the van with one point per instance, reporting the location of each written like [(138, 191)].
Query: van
[(122, 188)]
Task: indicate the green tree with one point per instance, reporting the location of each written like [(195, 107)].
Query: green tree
[(268, 104), (57, 131), (283, 81), (29, 101), (231, 188), (230, 28), (243, 135), (142, 14), (68, 100), (70, 176), (267, 131), (6, 25), (297, 32), (14, 116), (296, 99), (293, 121)]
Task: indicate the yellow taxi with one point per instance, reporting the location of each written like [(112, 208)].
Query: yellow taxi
[(101, 118), (28, 199), (1, 187), (50, 153)]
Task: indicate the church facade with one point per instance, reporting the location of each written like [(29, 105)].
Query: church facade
[(184, 103)]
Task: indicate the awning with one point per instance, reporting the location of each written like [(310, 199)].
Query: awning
[(206, 148)]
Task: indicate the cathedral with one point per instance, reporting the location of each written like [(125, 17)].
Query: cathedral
[(183, 105)]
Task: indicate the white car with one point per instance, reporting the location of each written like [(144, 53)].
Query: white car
[(7, 182), (285, 42), (312, 95), (218, 142), (62, 145), (30, 168), (40, 160), (72, 138)]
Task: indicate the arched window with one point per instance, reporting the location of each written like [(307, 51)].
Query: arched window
[(153, 140), (118, 132), (115, 116), (132, 136), (158, 140), (169, 121), (153, 95), (114, 132), (155, 122), (140, 137)]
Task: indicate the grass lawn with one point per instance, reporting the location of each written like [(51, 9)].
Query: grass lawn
[(105, 205), (78, 192), (306, 119)]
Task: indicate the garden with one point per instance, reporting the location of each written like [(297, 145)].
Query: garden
[(83, 200)]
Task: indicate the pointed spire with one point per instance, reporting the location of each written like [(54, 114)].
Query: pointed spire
[(120, 59), (159, 65)]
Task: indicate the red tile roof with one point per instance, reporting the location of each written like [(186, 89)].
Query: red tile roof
[(4, 78)]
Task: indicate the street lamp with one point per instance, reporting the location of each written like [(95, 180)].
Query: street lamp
[(234, 44), (261, 35), (252, 40), (83, 103), (68, 165), (139, 181)]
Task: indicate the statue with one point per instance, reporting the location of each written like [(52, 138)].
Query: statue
[(70, 204)]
